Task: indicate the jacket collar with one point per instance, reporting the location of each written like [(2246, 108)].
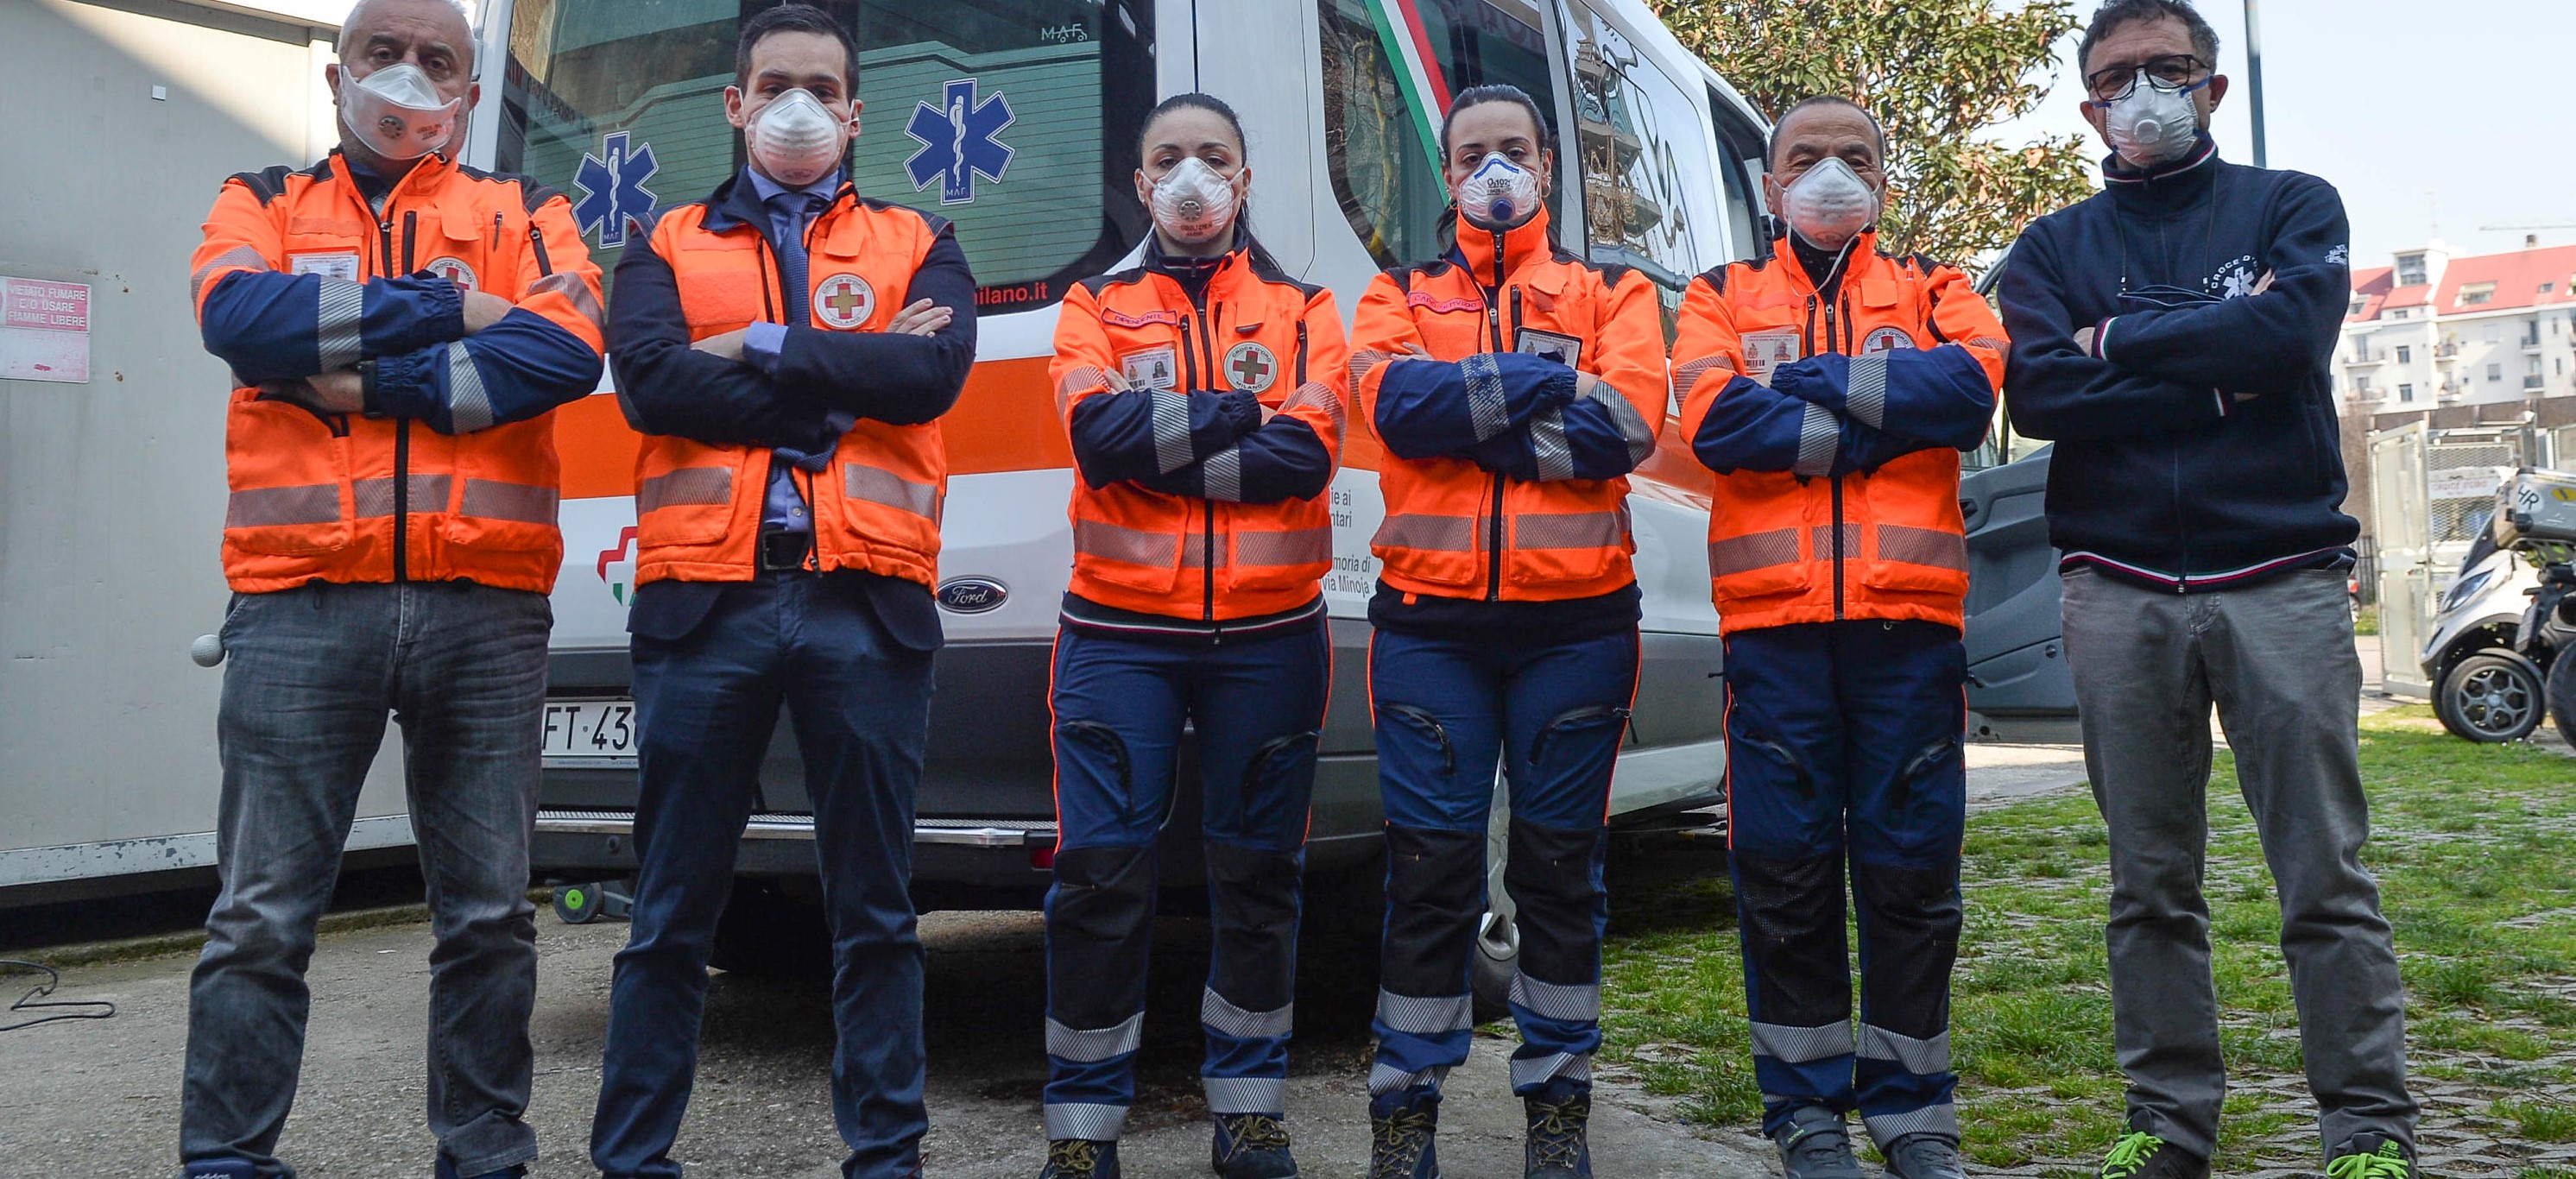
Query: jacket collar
[(2180, 177), (1523, 244), (736, 202), (424, 176), (1197, 270), (1856, 256)]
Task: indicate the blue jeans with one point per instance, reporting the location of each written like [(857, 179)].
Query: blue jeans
[(1842, 743), (309, 678), (1119, 705), (1447, 711), (707, 702)]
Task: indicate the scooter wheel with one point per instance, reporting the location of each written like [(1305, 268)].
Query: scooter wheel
[(2562, 694), (579, 904), (2492, 696)]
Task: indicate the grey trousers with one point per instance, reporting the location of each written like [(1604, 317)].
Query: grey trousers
[(2277, 659)]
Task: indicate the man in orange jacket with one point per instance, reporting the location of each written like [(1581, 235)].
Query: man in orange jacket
[(1831, 387), (786, 346), (401, 328)]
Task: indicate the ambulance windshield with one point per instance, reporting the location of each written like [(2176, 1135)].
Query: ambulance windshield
[(1015, 119)]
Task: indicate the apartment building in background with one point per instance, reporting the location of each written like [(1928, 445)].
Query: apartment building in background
[(2435, 330)]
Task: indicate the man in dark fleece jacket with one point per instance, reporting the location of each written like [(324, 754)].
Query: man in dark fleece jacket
[(2172, 335)]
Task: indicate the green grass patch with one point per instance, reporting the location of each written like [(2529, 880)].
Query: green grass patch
[(2475, 850)]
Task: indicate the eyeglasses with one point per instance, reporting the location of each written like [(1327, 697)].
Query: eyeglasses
[(2171, 72)]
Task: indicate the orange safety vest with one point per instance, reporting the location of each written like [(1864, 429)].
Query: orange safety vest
[(876, 503), (1786, 549), (313, 498), (1452, 528), (1253, 329)]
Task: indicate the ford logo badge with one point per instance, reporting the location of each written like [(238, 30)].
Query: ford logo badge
[(972, 595)]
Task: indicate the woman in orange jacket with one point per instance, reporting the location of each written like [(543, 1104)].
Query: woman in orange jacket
[(1203, 392), (1514, 386)]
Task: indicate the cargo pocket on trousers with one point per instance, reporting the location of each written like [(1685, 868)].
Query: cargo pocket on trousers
[(1577, 745), (1278, 782), (1091, 758), (1413, 747)]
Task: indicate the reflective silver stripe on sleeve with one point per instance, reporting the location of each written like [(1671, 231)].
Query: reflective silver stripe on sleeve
[(268, 507), (1795, 1045), (236, 258), (336, 315), (1426, 1016), (469, 408), (879, 486), (1436, 534), (492, 499), (1221, 475), (421, 494), (1096, 1044), (1488, 411), (1321, 397), (1939, 1120), (1632, 426), (1364, 360), (1171, 431), (1686, 376), (1569, 530), (686, 486), (1922, 1058), (1096, 1123), (1228, 1019), (1547, 445), (1540, 1070), (1246, 1095), (1134, 546), (1865, 390), (573, 289), (1756, 550), (1557, 1000), (1923, 546), (1303, 546), (1078, 379), (1820, 438), (1823, 546)]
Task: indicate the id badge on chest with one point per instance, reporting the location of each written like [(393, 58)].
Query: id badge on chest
[(1152, 368), (1768, 350), (342, 265), (1563, 349)]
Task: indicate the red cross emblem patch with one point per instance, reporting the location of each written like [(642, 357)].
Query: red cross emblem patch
[(845, 300), (454, 270), (1250, 367)]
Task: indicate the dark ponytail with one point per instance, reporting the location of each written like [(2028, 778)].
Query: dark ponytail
[(1447, 228), (1196, 101)]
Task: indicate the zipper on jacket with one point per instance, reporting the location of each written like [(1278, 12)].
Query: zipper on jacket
[(1207, 507), (536, 242), (402, 426), (1837, 480), (1494, 521)]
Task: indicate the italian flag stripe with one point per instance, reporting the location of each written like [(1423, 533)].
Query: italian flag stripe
[(1408, 46)]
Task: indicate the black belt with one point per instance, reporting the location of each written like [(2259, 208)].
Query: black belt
[(781, 550)]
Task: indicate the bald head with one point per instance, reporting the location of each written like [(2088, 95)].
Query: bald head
[(404, 23)]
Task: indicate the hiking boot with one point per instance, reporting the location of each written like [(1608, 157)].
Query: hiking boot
[(1403, 1127), (1080, 1158), (1560, 1117), (1815, 1145), (1251, 1146), (2370, 1156), (1924, 1156), (2139, 1155)]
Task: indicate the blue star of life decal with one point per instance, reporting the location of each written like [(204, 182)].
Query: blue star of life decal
[(959, 142), (613, 192)]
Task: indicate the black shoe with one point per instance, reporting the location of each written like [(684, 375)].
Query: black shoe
[(1924, 1156), (1251, 1146), (2140, 1155), (1816, 1145), (1560, 1120), (1080, 1158), (447, 1170), (2370, 1156), (1404, 1127)]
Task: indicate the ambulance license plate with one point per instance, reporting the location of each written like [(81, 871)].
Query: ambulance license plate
[(590, 734)]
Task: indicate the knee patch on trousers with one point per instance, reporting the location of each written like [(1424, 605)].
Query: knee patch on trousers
[(1435, 890), (1792, 911), (1103, 892), (1554, 876), (1255, 902)]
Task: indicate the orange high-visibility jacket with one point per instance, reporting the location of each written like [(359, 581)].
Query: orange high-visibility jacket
[(1190, 504), (1503, 481), (451, 472), (701, 478), (1835, 427)]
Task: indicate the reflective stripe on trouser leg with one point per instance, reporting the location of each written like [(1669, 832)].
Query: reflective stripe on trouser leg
[(1099, 918), (1555, 881), (1425, 1012), (1248, 1010), (1905, 1085)]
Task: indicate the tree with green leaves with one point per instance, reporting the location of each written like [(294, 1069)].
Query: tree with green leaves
[(1937, 73)]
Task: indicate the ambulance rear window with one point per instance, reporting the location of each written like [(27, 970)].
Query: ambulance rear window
[(1015, 119)]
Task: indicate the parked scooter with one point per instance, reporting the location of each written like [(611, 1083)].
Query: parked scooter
[(2550, 625), (2492, 652)]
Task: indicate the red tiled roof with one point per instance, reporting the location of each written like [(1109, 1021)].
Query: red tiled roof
[(2371, 286), (2518, 277)]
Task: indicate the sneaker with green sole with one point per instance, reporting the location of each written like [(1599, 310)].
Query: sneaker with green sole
[(2139, 1155), (2370, 1156)]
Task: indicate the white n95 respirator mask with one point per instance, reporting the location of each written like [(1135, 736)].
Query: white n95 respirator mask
[(796, 139), (1830, 204), (2150, 125), (397, 113), (1192, 204), (1499, 194)]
